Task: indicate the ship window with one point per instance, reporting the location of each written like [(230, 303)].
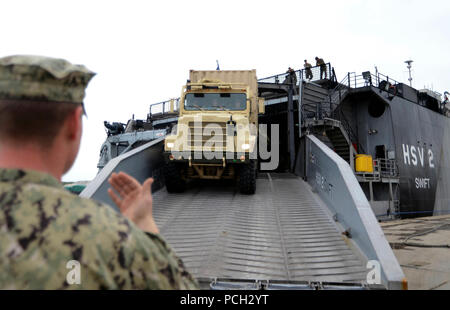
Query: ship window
[(376, 109)]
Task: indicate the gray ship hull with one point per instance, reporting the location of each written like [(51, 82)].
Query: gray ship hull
[(416, 137)]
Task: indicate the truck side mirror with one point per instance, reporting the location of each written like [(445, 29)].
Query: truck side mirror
[(261, 106)]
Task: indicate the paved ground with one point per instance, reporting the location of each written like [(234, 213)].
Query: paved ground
[(419, 247)]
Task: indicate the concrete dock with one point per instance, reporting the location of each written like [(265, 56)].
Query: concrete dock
[(422, 247)]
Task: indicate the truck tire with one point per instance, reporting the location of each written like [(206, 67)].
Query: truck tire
[(247, 178), (172, 178)]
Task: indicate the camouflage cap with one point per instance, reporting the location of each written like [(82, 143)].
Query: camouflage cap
[(29, 77)]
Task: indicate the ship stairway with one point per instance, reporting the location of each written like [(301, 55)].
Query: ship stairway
[(320, 101), (322, 116), (312, 95), (337, 95), (333, 134)]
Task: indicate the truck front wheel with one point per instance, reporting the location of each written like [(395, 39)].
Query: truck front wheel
[(247, 178), (173, 180)]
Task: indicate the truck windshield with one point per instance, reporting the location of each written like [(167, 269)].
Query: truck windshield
[(215, 102)]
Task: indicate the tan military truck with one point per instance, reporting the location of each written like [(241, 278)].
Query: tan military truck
[(217, 131)]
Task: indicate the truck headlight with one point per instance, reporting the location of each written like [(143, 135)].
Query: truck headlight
[(170, 145), (246, 147)]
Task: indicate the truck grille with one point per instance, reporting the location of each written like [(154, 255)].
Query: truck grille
[(214, 133)]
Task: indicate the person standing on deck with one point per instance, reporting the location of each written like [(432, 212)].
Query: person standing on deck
[(323, 67)]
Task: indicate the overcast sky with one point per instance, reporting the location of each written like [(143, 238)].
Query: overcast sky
[(142, 51)]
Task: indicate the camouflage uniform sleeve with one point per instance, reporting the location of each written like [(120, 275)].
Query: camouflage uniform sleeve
[(186, 280), (141, 260), (45, 228)]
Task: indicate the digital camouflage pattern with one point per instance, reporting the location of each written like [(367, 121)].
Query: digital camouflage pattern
[(42, 78), (43, 227)]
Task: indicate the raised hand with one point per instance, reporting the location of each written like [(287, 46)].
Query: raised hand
[(134, 200)]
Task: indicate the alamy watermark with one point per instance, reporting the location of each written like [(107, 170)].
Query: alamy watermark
[(73, 277), (219, 140), (374, 275)]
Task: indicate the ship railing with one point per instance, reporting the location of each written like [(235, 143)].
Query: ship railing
[(388, 168), (316, 74), (326, 107), (353, 80), (336, 95), (164, 107), (330, 106), (382, 168), (369, 176), (367, 78), (339, 115)]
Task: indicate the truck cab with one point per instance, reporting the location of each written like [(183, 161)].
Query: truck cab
[(217, 131)]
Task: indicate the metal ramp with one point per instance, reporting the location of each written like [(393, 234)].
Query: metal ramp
[(283, 233), (288, 235)]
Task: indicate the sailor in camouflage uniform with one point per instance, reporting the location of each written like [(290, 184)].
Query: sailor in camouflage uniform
[(323, 67), (44, 228)]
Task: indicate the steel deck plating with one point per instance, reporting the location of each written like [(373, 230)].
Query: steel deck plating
[(282, 233)]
